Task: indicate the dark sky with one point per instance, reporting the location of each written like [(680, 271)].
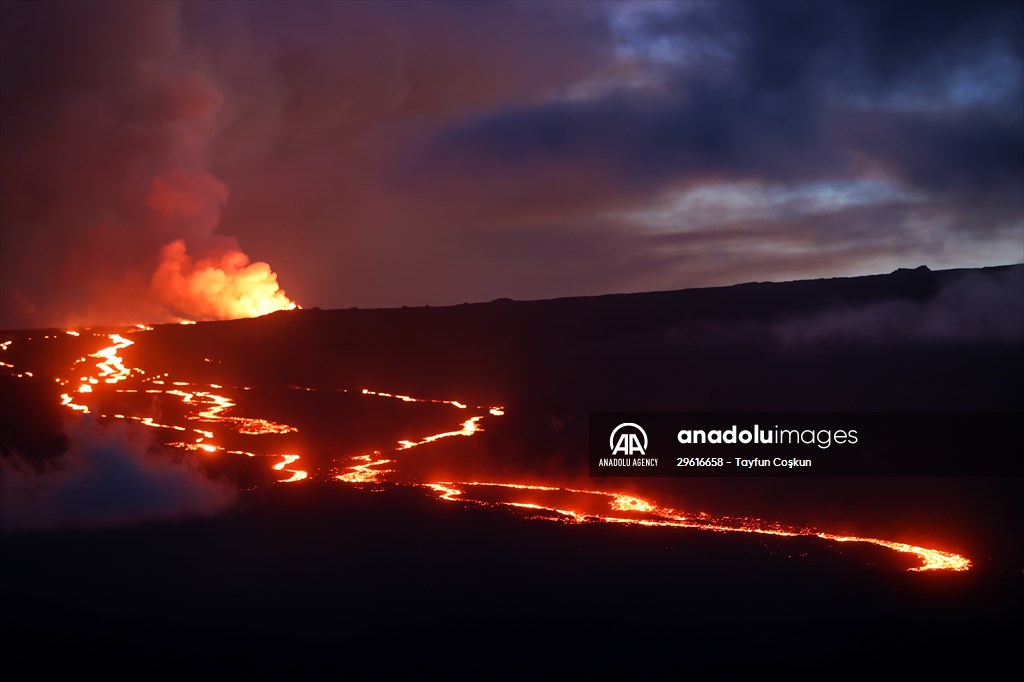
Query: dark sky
[(406, 154)]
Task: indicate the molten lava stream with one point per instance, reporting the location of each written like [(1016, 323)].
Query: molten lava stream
[(577, 506), (202, 403), (296, 474), (646, 513), (205, 404), (367, 471)]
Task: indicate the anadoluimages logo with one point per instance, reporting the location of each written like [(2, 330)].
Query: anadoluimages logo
[(626, 440)]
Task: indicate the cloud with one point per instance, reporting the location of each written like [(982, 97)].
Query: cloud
[(980, 307), (792, 109), (110, 475), (796, 92)]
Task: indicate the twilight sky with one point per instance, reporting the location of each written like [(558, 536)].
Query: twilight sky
[(164, 160)]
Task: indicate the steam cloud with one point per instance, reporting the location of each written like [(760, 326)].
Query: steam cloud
[(111, 475)]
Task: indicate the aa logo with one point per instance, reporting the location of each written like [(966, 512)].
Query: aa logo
[(628, 439)]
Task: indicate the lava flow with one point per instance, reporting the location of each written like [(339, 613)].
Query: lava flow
[(204, 405), (208, 415), (296, 474), (645, 513)]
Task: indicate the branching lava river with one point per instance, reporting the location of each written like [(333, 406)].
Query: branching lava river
[(206, 420)]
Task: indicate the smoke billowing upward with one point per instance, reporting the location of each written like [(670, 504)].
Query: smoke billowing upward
[(226, 285), (110, 210), (110, 475)]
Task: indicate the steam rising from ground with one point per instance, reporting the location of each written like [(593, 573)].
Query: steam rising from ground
[(111, 475)]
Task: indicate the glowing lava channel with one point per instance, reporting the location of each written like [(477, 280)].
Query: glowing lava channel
[(201, 402), (469, 427), (207, 405), (369, 468), (642, 512), (651, 514), (367, 471), (111, 366), (296, 474)]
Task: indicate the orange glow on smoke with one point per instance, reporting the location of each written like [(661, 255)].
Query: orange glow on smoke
[(226, 286), (210, 412)]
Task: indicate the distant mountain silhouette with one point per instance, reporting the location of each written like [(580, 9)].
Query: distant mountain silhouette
[(913, 339)]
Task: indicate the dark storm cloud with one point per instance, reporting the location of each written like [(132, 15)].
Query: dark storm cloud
[(930, 94), (972, 161), (767, 98), (701, 130)]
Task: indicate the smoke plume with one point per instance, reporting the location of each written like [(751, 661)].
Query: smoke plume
[(109, 206), (110, 475)]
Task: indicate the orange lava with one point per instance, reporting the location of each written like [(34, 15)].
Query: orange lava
[(296, 474), (648, 513), (65, 400), (367, 470), (111, 367), (210, 411), (204, 404), (469, 427)]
